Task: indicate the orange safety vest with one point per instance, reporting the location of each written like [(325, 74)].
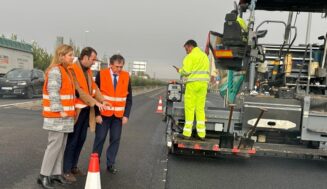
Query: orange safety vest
[(67, 96), (82, 81), (116, 97)]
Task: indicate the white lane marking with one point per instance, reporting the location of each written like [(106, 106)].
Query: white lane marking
[(33, 101), (146, 91), (19, 103), (154, 95)]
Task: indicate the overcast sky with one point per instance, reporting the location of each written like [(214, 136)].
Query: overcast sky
[(149, 30)]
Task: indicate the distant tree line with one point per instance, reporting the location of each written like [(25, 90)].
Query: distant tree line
[(42, 58), (139, 81)]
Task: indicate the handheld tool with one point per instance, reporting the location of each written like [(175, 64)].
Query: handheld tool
[(226, 138), (246, 141)]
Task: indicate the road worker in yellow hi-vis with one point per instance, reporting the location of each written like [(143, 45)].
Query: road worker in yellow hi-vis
[(196, 71)]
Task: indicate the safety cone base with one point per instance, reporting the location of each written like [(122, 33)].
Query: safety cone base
[(93, 176)]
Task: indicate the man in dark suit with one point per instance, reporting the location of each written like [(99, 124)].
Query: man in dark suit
[(115, 86)]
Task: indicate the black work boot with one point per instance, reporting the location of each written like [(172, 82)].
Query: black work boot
[(45, 182), (112, 169)]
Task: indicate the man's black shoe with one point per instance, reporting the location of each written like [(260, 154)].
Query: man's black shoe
[(45, 182), (111, 169), (59, 179)]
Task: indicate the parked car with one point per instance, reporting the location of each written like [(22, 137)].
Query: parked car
[(22, 82)]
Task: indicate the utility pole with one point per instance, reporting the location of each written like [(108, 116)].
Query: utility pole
[(86, 32)]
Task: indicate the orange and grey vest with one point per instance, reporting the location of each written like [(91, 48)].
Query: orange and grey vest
[(116, 97), (67, 96), (82, 81)]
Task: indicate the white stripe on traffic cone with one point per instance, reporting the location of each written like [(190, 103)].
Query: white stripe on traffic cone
[(93, 175), (159, 108)]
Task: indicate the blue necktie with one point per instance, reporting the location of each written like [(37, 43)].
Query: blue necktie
[(115, 81)]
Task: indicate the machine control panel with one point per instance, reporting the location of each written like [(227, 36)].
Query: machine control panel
[(174, 92)]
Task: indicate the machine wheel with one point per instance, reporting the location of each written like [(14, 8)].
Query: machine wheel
[(29, 93)]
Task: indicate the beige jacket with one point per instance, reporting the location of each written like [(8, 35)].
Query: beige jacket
[(87, 99)]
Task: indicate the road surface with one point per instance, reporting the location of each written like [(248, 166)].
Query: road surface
[(142, 159)]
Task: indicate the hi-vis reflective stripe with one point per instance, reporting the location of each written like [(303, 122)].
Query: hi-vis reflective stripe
[(201, 130), (200, 72), (62, 97), (80, 105), (66, 108), (116, 108), (197, 79), (200, 122), (187, 129), (189, 122), (115, 99), (93, 91)]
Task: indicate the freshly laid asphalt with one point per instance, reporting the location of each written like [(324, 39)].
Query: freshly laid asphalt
[(142, 160)]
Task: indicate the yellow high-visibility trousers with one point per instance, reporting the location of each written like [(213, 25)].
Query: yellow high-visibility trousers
[(194, 104)]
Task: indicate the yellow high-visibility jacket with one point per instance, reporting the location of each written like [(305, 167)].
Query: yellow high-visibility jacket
[(196, 66)]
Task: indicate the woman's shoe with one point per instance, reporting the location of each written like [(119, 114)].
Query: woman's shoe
[(45, 182)]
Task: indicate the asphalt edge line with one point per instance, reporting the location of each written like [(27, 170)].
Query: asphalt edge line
[(19, 103)]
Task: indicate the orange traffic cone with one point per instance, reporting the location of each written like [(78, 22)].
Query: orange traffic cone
[(159, 108), (93, 175)]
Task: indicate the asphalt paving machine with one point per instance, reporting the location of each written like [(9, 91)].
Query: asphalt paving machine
[(274, 99)]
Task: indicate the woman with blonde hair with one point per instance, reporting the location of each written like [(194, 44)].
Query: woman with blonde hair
[(58, 113)]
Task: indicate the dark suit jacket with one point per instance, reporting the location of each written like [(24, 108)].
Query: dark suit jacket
[(129, 97)]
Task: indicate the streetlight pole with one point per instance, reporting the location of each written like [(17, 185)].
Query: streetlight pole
[(86, 32)]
